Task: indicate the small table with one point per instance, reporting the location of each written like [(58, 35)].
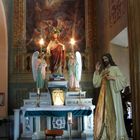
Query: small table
[(53, 133)]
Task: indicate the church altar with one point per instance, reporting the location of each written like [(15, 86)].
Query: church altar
[(34, 120)]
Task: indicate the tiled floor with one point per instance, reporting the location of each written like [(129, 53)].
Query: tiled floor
[(64, 139), (61, 138), (47, 139), (90, 138)]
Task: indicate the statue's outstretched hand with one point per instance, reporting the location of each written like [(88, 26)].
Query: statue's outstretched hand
[(97, 66)]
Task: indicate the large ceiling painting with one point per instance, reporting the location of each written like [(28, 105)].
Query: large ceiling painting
[(66, 15)]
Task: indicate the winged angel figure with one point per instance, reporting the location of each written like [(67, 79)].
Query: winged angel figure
[(39, 69), (78, 69), (75, 71)]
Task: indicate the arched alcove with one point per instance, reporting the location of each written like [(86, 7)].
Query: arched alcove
[(3, 62)]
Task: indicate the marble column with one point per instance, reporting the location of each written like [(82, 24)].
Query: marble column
[(16, 124), (134, 49)]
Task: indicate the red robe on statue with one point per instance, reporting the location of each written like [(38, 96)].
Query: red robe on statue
[(57, 59)]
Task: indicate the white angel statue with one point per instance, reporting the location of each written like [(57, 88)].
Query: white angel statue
[(71, 71), (78, 69), (75, 71), (39, 69)]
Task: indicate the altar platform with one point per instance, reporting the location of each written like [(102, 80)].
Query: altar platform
[(30, 120), (55, 117)]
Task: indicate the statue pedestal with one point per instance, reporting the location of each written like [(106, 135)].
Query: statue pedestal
[(58, 84)]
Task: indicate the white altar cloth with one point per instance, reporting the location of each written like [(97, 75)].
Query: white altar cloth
[(58, 107)]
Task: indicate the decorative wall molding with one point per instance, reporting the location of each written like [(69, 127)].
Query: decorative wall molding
[(18, 23), (134, 49), (3, 61), (91, 32), (117, 9)]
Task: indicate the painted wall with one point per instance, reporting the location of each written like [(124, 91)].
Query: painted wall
[(121, 57), (3, 62), (6, 16)]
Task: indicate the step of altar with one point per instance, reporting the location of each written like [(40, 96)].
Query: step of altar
[(45, 99), (76, 94), (80, 101), (71, 98)]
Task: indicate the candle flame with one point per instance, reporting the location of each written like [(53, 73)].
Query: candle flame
[(72, 41), (41, 41)]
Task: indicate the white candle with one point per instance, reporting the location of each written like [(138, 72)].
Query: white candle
[(69, 117), (38, 91)]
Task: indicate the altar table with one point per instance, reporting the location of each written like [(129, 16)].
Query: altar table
[(28, 115)]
